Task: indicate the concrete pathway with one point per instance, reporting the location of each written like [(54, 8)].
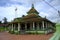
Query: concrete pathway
[(8, 36)]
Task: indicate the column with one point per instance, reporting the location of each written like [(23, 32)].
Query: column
[(12, 27), (43, 24), (46, 28), (25, 26), (9, 27), (50, 25), (46, 25), (30, 26), (33, 26), (38, 26), (19, 26)]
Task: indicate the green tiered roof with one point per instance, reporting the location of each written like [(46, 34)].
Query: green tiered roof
[(32, 10), (32, 16)]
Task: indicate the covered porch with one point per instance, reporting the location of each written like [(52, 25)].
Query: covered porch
[(31, 27)]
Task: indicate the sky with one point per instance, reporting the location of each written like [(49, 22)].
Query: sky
[(7, 8)]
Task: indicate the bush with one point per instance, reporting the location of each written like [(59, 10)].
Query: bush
[(17, 32), (12, 32), (35, 32)]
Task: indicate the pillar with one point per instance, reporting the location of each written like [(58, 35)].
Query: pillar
[(43, 24), (9, 27), (30, 26), (33, 26), (38, 26), (25, 26), (46, 28), (12, 27), (19, 26), (46, 25), (50, 24)]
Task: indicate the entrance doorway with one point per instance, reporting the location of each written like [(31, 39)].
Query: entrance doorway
[(22, 26), (22, 30)]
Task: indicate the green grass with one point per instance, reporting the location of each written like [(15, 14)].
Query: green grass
[(2, 29), (58, 28), (56, 35)]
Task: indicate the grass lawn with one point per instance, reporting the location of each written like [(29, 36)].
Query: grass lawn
[(56, 35), (2, 29)]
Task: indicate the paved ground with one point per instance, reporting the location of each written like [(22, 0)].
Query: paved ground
[(8, 36)]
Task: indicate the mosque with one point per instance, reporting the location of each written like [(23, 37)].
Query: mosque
[(32, 22)]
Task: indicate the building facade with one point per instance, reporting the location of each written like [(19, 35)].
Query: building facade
[(32, 22)]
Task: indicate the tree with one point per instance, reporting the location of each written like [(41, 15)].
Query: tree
[(5, 20), (0, 22)]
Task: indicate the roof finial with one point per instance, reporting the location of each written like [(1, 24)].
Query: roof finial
[(32, 5)]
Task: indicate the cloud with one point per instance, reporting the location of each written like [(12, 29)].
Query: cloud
[(53, 15), (49, 1), (43, 14), (24, 5), (4, 3), (55, 2), (18, 2), (9, 12)]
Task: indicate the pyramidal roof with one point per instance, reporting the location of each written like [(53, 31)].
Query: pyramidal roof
[(32, 10)]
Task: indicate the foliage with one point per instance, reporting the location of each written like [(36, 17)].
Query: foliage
[(5, 20), (12, 32), (18, 32), (56, 35), (0, 22)]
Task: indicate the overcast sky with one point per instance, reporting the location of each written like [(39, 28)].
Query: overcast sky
[(7, 8)]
